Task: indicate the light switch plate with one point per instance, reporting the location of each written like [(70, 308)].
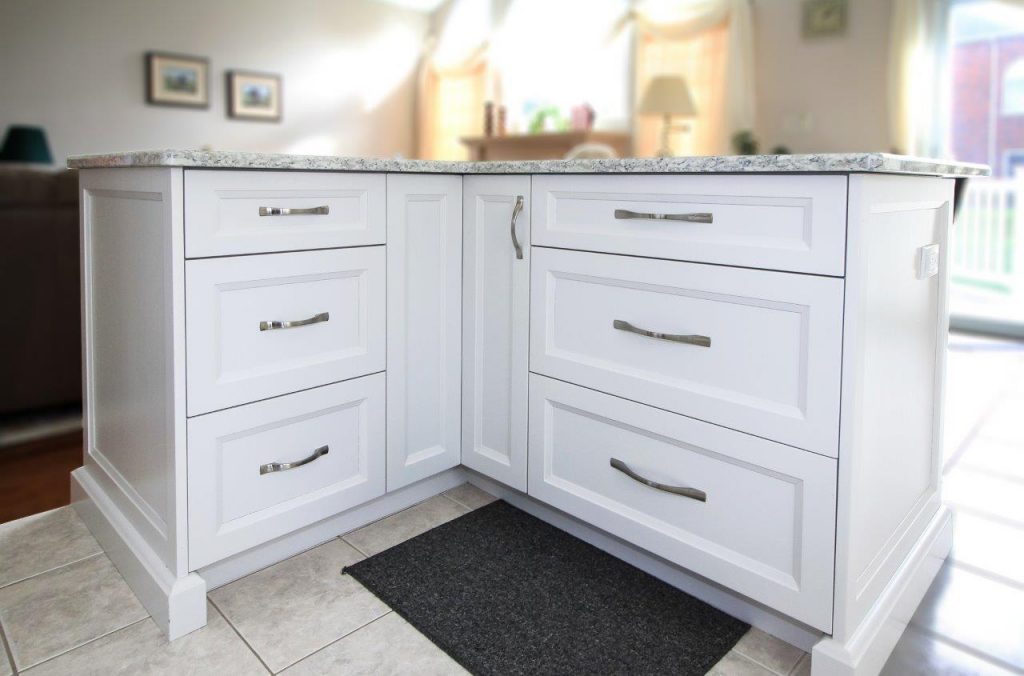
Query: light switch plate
[(928, 261)]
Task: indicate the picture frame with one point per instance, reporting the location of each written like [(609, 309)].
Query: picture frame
[(179, 80), (824, 18), (254, 96)]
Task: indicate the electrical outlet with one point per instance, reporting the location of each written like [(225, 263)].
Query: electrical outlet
[(928, 261)]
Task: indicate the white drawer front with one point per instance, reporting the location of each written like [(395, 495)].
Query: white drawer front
[(335, 299), (766, 529), (222, 211), (793, 223), (772, 367), (233, 505)]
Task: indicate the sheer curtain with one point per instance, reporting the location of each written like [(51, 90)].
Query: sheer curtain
[(710, 44), (918, 82), (455, 80)]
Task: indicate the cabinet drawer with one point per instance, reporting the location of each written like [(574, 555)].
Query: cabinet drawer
[(795, 223), (261, 326), (300, 210), (765, 359), (241, 489), (766, 529)]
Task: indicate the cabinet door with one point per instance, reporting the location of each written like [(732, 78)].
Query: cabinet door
[(496, 328), (424, 339)]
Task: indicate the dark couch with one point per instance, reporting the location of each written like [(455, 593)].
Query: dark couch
[(40, 315)]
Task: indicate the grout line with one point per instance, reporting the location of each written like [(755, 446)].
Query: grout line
[(342, 538), (458, 503), (86, 643), (238, 633), (50, 570), (987, 574), (7, 649), (806, 656), (340, 638), (753, 659), (983, 514)]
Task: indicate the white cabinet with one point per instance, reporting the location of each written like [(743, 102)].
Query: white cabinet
[(424, 339), (496, 328)]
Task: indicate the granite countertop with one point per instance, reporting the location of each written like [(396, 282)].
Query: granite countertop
[(724, 164)]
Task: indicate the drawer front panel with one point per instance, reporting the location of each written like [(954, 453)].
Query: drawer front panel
[(242, 491), (766, 528), (261, 326), (302, 210), (762, 352), (795, 223)]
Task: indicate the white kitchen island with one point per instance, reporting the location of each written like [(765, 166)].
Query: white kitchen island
[(727, 370)]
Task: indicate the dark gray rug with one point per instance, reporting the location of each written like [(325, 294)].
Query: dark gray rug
[(502, 592)]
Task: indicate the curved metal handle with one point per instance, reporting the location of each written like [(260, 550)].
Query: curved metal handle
[(285, 466), (295, 211), (685, 491), (277, 324), (693, 217), (702, 341), (515, 214)]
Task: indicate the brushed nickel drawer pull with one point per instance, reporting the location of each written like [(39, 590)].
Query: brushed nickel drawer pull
[(277, 324), (685, 491), (695, 217), (702, 341), (515, 215), (292, 211), (285, 466)]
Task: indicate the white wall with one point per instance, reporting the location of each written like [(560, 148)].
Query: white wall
[(75, 67), (824, 95)]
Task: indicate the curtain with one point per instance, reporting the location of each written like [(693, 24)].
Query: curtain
[(710, 44), (918, 89), (455, 80)]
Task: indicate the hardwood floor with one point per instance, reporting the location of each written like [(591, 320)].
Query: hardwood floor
[(35, 476)]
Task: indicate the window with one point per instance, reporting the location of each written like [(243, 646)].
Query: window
[(1013, 88)]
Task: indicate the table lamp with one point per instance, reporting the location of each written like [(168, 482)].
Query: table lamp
[(667, 95), (25, 145)]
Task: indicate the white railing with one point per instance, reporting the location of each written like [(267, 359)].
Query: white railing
[(987, 244)]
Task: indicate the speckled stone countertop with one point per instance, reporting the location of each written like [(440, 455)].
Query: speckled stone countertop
[(723, 164)]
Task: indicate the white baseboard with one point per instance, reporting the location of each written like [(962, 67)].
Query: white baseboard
[(727, 601), (866, 651), (240, 565), (177, 605)]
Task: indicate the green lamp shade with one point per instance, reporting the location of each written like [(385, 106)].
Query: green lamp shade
[(25, 144)]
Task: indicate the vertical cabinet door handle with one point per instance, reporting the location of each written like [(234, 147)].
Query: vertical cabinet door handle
[(515, 215)]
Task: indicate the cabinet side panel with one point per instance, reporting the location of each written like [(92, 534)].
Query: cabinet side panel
[(895, 332), (132, 302), (424, 326)]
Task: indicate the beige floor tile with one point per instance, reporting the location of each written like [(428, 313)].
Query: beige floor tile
[(143, 649), (998, 456), (470, 496), (300, 605), (52, 613), (918, 654), (985, 494), (42, 542), (803, 667), (736, 664), (5, 663), (389, 646), (769, 651), (964, 608), (409, 523), (989, 546)]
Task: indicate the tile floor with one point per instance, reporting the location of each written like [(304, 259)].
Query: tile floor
[(64, 608)]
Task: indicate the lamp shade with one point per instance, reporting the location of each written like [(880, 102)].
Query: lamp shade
[(25, 144), (667, 95)]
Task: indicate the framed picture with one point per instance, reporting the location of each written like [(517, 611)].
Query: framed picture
[(254, 96), (824, 18), (177, 80)]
